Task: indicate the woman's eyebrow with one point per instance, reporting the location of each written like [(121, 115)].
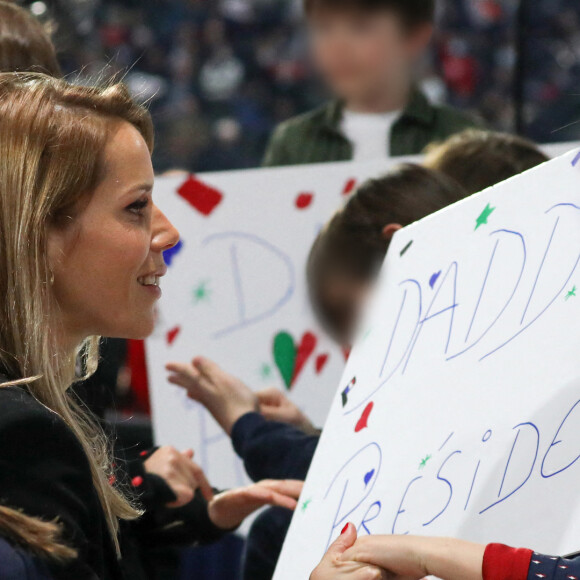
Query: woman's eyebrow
[(143, 187)]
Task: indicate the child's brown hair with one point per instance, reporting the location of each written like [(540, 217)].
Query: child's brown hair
[(25, 45), (412, 12), (352, 243), (478, 159)]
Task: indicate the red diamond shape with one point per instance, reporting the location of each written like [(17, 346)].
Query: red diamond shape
[(200, 195)]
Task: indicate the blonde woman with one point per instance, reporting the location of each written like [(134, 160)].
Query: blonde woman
[(81, 246)]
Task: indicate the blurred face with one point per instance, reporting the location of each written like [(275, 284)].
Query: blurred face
[(108, 262), (342, 301), (362, 54)]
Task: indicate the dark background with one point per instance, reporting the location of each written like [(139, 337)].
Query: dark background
[(220, 74)]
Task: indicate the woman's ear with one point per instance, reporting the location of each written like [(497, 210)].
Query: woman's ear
[(56, 243), (389, 231)]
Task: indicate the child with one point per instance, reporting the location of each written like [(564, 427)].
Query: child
[(478, 159), (347, 255), (24, 44), (366, 52)]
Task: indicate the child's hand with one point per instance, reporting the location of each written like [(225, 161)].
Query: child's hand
[(230, 508), (414, 557), (224, 396), (335, 566), (275, 406)]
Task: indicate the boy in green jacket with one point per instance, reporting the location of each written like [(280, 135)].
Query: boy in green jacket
[(366, 52)]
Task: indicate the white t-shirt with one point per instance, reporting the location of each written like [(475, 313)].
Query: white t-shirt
[(369, 133)]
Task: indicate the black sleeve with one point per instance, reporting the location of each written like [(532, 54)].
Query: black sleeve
[(182, 526), (189, 524), (272, 450), (45, 473)]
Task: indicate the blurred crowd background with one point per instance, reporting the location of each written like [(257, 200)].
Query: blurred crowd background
[(220, 74)]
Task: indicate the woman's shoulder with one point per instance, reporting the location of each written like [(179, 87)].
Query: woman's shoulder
[(17, 565), (37, 444), (19, 411)]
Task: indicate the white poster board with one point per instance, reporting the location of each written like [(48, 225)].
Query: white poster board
[(236, 282), (464, 418)]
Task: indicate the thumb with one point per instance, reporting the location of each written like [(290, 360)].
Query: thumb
[(188, 453), (345, 541)]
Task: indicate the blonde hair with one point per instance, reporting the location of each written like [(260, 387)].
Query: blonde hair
[(52, 139), (40, 538)]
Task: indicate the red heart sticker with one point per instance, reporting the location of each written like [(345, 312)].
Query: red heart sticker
[(305, 350)]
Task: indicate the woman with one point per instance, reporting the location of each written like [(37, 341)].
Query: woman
[(81, 246)]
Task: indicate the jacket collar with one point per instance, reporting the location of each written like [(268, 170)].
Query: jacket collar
[(418, 109)]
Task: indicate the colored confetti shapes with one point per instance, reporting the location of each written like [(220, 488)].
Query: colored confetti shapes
[(201, 196), (291, 358), (363, 422)]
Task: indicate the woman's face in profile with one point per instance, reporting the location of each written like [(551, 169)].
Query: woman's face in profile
[(108, 262)]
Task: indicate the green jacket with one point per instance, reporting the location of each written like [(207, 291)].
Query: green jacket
[(315, 137)]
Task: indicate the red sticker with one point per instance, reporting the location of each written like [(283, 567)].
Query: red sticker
[(346, 352), (349, 187), (321, 361), (137, 481), (304, 200), (305, 350), (362, 423), (172, 334), (200, 195)]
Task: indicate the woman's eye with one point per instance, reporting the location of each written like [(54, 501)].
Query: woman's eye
[(138, 207)]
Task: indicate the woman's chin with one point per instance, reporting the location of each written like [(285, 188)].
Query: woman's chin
[(138, 331)]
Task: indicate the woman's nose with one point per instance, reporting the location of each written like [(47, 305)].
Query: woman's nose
[(165, 235)]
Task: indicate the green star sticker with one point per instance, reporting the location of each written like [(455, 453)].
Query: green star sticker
[(424, 462), (482, 219), (201, 292), (265, 371), (571, 294), (306, 504)]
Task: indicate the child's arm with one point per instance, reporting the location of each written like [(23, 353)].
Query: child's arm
[(418, 557), (450, 559), (270, 450)]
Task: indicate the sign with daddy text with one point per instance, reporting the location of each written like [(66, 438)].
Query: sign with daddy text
[(459, 409)]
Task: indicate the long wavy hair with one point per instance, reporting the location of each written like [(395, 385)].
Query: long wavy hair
[(52, 139)]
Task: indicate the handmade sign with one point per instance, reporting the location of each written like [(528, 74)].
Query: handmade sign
[(236, 292), (459, 409)]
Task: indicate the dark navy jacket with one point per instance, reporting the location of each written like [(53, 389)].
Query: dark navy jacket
[(15, 564), (272, 450)]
